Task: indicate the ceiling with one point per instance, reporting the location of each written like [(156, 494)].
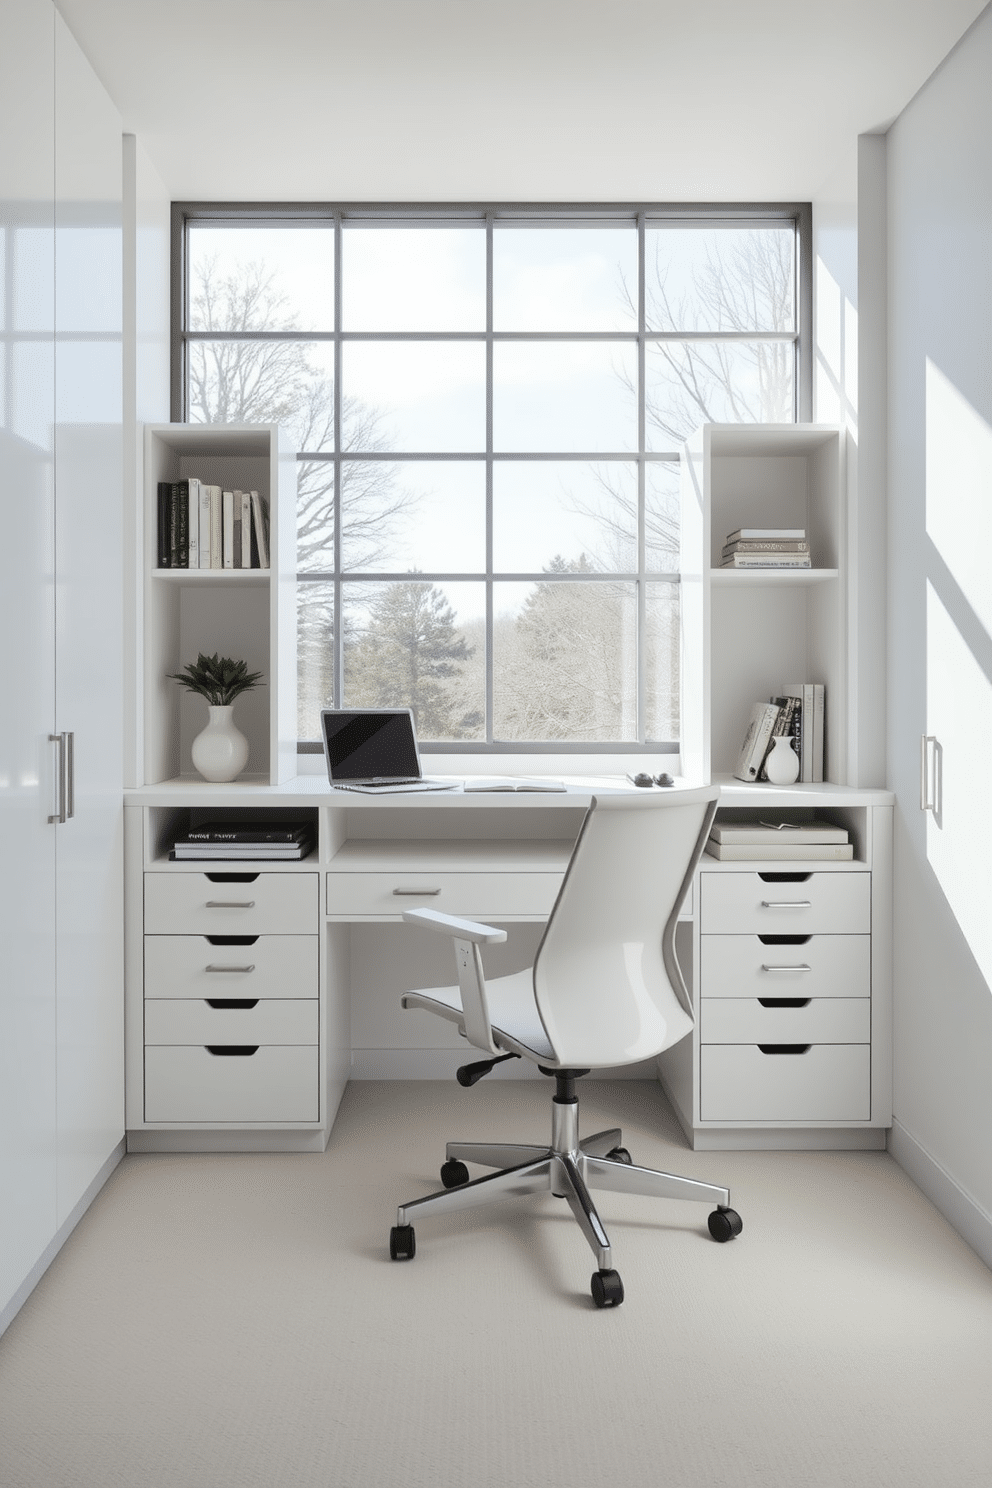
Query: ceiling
[(509, 100)]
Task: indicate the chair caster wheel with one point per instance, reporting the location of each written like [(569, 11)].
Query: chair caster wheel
[(453, 1173), (725, 1224), (607, 1288), (620, 1154), (402, 1243)]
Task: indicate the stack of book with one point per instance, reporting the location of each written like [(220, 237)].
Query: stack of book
[(744, 839), (798, 710), (283, 842), (203, 526), (766, 547)]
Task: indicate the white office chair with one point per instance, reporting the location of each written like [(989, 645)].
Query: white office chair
[(605, 989)]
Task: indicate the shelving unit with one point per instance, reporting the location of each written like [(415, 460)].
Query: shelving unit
[(249, 614)]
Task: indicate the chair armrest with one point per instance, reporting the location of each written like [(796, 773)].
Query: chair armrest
[(433, 919)]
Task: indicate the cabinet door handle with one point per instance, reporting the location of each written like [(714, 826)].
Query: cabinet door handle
[(229, 968), (928, 761), (799, 967), (70, 774), (419, 893), (787, 904), (230, 904), (59, 814)]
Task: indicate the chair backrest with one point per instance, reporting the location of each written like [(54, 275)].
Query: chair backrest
[(606, 980)]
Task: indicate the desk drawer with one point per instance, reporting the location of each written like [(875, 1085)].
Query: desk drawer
[(187, 1021), (747, 903), (823, 1020), (821, 966), (192, 1085), (256, 904), (828, 1082), (271, 966), (479, 895)]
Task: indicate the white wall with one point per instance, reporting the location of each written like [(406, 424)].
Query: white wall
[(940, 628)]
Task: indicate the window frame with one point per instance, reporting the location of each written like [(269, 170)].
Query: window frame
[(485, 216)]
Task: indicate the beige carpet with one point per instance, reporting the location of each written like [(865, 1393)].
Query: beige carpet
[(235, 1320)]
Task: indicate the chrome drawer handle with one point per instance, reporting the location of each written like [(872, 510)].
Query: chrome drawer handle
[(229, 968), (230, 904), (802, 967), (418, 893), (787, 904)]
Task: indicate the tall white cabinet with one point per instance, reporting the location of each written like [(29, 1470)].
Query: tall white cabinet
[(61, 1035)]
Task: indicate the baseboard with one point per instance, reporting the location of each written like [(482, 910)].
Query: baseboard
[(65, 1229), (957, 1206), (245, 1139)]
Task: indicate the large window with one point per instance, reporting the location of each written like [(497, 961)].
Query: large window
[(488, 406)]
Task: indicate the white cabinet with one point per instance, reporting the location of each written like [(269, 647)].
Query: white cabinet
[(247, 614), (61, 1037)]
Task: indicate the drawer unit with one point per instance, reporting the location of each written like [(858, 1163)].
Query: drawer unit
[(818, 1083), (481, 895), (819, 966), (819, 1020), (229, 1021), (226, 904), (770, 904), (196, 1084), (195, 966)]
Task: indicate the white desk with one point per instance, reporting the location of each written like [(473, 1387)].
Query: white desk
[(330, 956)]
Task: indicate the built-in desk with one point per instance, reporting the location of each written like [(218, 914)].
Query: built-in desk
[(255, 991)]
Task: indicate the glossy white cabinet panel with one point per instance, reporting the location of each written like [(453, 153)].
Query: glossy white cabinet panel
[(89, 631), (27, 613)]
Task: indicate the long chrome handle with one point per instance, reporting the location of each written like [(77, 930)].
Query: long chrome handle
[(418, 893), (801, 967), (70, 774), (787, 904), (229, 968), (926, 772), (230, 904), (59, 814)]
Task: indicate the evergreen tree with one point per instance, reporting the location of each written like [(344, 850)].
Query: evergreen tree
[(411, 654)]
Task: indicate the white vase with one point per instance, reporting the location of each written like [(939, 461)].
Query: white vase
[(220, 751), (782, 761)]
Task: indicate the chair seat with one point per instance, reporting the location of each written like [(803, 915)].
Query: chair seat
[(516, 1022)]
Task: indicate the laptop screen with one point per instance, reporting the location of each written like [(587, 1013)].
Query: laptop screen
[(364, 743)]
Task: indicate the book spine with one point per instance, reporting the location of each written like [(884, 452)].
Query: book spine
[(178, 525), (236, 530), (216, 529), (744, 545), (766, 534), (228, 532), (246, 529), (818, 728), (204, 521), (767, 560), (260, 528), (163, 558), (193, 523)]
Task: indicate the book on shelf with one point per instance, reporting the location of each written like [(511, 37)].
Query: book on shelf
[(218, 840), (214, 831), (770, 828), (512, 783), (227, 531), (203, 523), (192, 523), (744, 546), (785, 723), (216, 528), (260, 528), (766, 534), (767, 560), (267, 851), (739, 852), (757, 739), (811, 708), (243, 499)]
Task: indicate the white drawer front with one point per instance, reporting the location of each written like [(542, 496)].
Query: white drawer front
[(192, 1085), (271, 966), (829, 1082), (746, 903), (824, 1020), (823, 966), (195, 904), (280, 1021), (377, 895)]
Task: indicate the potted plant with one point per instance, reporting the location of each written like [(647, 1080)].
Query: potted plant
[(220, 751)]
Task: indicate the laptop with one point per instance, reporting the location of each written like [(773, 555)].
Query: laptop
[(374, 750)]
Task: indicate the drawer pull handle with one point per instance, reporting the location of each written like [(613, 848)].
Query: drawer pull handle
[(784, 1002), (230, 904), (233, 968), (784, 1048), (800, 967), (231, 1002), (227, 1050), (787, 904), (418, 892)]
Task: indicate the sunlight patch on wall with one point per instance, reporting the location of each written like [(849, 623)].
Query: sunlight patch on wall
[(959, 489), (835, 361)]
